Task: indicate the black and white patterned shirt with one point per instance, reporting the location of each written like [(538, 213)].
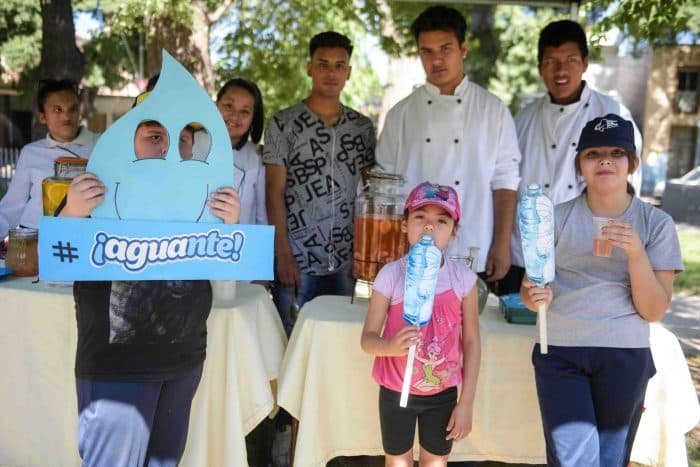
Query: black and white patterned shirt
[(323, 165)]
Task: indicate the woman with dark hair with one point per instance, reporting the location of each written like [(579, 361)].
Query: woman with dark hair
[(58, 107), (241, 106)]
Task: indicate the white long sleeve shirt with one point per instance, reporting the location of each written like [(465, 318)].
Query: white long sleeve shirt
[(249, 180), (548, 135), (22, 204), (466, 140)]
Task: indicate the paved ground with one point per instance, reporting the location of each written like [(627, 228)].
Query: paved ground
[(683, 320)]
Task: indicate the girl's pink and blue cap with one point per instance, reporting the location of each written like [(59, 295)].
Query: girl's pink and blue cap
[(438, 195)]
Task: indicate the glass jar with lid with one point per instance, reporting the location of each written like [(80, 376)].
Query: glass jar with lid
[(22, 256), (54, 189), (378, 215)]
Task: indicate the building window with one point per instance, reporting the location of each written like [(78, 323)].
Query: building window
[(683, 150), (687, 93)]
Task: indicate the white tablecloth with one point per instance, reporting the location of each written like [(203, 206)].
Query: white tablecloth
[(38, 405), (325, 382)]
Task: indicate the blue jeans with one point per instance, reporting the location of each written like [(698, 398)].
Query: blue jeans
[(340, 282), (134, 424), (591, 402)]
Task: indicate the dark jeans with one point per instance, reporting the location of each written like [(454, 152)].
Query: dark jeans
[(134, 423), (591, 402), (286, 299), (510, 282)]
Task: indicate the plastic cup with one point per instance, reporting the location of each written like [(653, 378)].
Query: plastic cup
[(223, 292), (601, 246)]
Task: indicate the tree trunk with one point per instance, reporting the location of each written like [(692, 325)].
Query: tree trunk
[(60, 56), (188, 44), (482, 32)]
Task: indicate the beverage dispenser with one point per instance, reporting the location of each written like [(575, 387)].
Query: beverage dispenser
[(378, 215)]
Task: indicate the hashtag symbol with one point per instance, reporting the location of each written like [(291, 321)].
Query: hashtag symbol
[(65, 251)]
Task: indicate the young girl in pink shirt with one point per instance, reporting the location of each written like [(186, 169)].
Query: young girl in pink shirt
[(447, 348)]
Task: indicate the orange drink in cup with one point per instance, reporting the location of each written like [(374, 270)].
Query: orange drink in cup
[(601, 246)]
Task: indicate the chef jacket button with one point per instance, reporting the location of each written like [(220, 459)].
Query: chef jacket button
[(427, 140), (456, 140), (573, 144), (459, 101), (561, 109), (430, 102), (586, 105), (554, 146), (456, 182), (546, 185), (570, 187)]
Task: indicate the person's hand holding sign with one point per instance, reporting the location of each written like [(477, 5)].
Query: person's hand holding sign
[(86, 191), (226, 205)]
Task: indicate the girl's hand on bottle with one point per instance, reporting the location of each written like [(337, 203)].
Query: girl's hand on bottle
[(538, 295), (86, 191), (403, 340), (622, 235)]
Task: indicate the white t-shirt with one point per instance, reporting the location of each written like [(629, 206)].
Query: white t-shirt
[(249, 180), (22, 204), (548, 135), (467, 141)]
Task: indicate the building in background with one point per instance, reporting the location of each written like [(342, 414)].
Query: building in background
[(672, 115)]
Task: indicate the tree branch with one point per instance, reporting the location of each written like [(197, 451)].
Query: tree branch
[(216, 15)]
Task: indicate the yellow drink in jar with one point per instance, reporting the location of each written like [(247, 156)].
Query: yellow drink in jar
[(54, 189)]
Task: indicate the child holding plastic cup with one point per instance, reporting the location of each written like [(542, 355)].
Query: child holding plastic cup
[(592, 382), (448, 347)]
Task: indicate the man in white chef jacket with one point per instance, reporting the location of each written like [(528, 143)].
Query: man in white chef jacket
[(549, 128), (453, 132)]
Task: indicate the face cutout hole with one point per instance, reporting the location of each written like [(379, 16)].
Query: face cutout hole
[(151, 140), (194, 142)]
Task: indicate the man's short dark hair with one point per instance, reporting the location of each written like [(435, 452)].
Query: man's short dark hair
[(49, 86), (440, 18), (330, 39), (557, 33)]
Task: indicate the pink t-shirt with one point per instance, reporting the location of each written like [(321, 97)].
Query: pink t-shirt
[(438, 362)]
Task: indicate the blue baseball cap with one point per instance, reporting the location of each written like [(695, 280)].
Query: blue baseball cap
[(610, 130)]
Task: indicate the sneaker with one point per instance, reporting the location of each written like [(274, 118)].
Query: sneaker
[(281, 446)]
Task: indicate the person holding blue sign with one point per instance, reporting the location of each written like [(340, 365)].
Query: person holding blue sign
[(448, 348), (59, 109), (241, 107), (141, 348), (606, 291)]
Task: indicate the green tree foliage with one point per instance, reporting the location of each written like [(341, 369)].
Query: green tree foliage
[(658, 22), (270, 45), (20, 37)]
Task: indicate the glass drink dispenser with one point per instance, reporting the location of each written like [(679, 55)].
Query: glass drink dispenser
[(378, 215)]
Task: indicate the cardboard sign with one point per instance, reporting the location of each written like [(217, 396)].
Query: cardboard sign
[(167, 188), (154, 222), (103, 249)]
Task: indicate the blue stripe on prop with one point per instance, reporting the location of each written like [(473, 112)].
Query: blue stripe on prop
[(110, 249)]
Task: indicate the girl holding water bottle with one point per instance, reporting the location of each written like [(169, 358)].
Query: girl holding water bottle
[(447, 347), (592, 381)]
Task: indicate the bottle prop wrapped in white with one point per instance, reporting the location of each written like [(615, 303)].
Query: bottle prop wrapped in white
[(424, 259), (536, 222)]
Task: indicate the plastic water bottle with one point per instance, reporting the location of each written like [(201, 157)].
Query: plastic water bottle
[(536, 221), (424, 260)]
